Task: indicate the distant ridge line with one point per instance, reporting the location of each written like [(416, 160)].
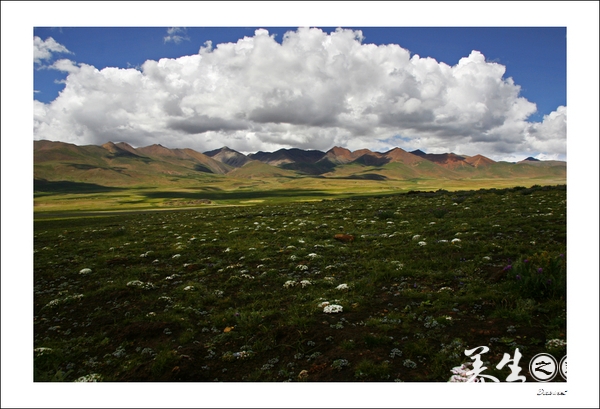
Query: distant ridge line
[(120, 163)]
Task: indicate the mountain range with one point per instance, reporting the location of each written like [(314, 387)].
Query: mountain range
[(120, 164)]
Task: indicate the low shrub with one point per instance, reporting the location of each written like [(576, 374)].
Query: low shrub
[(540, 276)]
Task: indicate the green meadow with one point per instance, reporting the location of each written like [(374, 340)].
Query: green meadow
[(243, 280), (217, 190)]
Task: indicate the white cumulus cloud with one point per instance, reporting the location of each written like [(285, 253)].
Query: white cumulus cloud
[(313, 91), (43, 49), (176, 34), (64, 65)]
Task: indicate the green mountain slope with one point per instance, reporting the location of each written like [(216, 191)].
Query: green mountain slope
[(121, 165), (114, 165), (255, 169)]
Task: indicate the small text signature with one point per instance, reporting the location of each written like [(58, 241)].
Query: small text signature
[(544, 392)]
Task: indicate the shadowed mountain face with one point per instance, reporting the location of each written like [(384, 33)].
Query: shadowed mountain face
[(447, 160), (339, 155), (283, 156), (187, 158), (120, 164), (372, 159), (121, 150), (229, 157)]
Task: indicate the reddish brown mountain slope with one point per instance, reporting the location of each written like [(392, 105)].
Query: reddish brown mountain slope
[(400, 155), (479, 161)]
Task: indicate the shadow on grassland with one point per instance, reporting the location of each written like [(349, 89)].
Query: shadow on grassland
[(236, 195), (64, 186)]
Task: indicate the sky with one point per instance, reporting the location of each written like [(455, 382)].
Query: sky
[(496, 91)]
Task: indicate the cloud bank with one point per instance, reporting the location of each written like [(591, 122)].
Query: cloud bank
[(313, 91)]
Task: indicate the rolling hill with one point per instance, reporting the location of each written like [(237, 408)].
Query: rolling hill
[(121, 165)]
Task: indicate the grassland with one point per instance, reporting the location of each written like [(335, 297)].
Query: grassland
[(214, 190), (238, 293)]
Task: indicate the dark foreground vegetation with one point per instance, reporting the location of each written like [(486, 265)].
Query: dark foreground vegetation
[(265, 293)]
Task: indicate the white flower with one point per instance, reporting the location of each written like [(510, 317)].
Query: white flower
[(313, 255), (42, 351), (342, 287), (140, 284), (189, 288), (416, 237), (94, 377), (176, 256), (442, 241), (330, 279), (323, 304), (445, 289), (53, 303), (135, 283), (85, 271), (305, 283), (455, 240), (486, 258), (289, 284), (332, 309), (555, 343), (422, 243)]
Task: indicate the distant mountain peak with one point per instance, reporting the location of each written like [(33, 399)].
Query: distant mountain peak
[(532, 159), (228, 156), (339, 150), (339, 155), (479, 161)]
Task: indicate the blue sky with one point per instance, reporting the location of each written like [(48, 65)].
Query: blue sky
[(535, 57), (499, 92)]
